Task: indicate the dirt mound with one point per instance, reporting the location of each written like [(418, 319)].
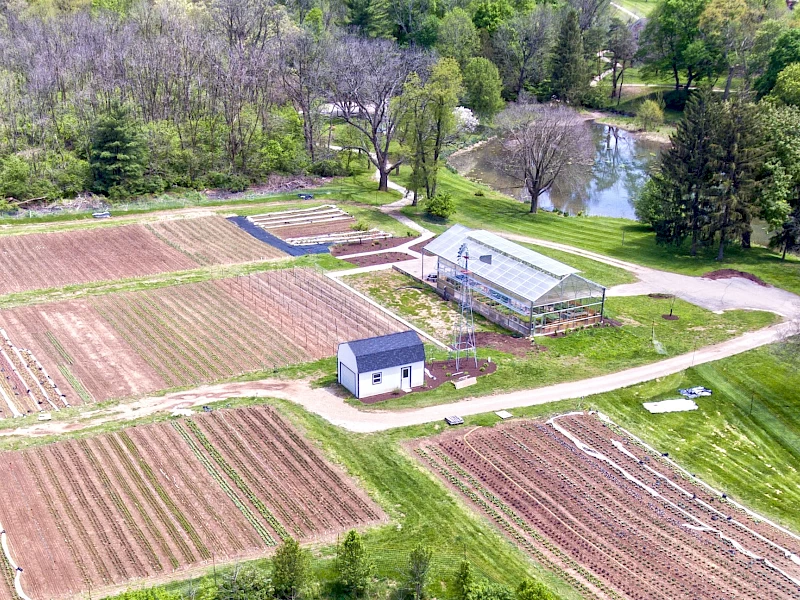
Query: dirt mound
[(518, 346), (379, 259), (368, 246), (731, 273)]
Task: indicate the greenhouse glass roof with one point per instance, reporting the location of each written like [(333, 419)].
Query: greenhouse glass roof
[(525, 273)]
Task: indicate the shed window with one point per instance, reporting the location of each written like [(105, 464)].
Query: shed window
[(377, 378)]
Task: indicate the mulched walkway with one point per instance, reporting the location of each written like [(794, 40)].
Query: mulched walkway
[(730, 273), (419, 246), (444, 371), (368, 246), (379, 259)]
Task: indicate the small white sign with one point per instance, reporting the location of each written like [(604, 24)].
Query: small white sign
[(504, 414), (668, 406)]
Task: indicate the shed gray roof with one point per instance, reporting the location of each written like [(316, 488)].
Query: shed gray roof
[(385, 351), (523, 272)]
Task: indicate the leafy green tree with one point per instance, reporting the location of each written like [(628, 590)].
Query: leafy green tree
[(244, 583), (354, 568), (482, 86), (417, 572), (463, 582), (117, 157), (569, 78), (787, 85), (785, 52), (650, 114), (441, 206), (428, 122), (672, 27), (488, 15), (457, 37), (486, 590), (291, 571), (534, 590), (780, 196)]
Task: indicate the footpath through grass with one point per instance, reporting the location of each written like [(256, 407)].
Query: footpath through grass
[(578, 355), (618, 238)]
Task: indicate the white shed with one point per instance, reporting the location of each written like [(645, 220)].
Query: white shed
[(382, 364)]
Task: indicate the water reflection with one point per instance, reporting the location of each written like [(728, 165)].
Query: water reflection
[(604, 188)]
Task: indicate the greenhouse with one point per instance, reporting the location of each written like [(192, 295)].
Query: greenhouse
[(517, 288)]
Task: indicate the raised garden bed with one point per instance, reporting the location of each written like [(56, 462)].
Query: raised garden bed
[(368, 246), (379, 259)]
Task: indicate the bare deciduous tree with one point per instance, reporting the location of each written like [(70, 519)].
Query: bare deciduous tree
[(366, 81), (539, 141), (520, 44)]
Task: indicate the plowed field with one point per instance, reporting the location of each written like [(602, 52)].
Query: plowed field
[(613, 518), (99, 512), (47, 260), (134, 343)]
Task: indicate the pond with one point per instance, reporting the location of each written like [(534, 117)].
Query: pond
[(606, 187)]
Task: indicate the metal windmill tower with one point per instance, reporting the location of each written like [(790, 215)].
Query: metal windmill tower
[(464, 330)]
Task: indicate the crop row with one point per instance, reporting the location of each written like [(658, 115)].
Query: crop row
[(301, 471), (248, 514), (237, 479), (255, 474), (553, 559)]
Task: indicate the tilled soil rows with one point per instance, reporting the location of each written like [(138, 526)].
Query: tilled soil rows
[(611, 517), (95, 513), (50, 260), (133, 343)]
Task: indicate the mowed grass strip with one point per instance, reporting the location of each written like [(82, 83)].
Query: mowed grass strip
[(619, 238)]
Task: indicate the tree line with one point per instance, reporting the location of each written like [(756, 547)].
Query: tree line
[(290, 576)]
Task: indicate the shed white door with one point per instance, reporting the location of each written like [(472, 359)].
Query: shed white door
[(347, 378), (405, 378)]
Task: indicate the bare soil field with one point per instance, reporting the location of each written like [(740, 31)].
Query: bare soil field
[(212, 241), (134, 343), (48, 260), (379, 259), (100, 512), (611, 517)]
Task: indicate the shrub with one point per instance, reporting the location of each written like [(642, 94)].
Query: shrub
[(330, 167), (441, 205), (650, 114)]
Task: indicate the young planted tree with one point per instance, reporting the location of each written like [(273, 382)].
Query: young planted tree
[(787, 238), (354, 569), (650, 114), (569, 78), (291, 571), (464, 581), (417, 572), (540, 140)]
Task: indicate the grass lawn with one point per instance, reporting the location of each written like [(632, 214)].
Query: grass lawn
[(619, 238), (578, 355), (640, 8)]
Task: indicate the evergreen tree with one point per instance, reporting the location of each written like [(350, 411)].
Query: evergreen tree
[(740, 152), (369, 17), (482, 86), (291, 569), (569, 68), (353, 566), (686, 172), (117, 157), (787, 238)]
